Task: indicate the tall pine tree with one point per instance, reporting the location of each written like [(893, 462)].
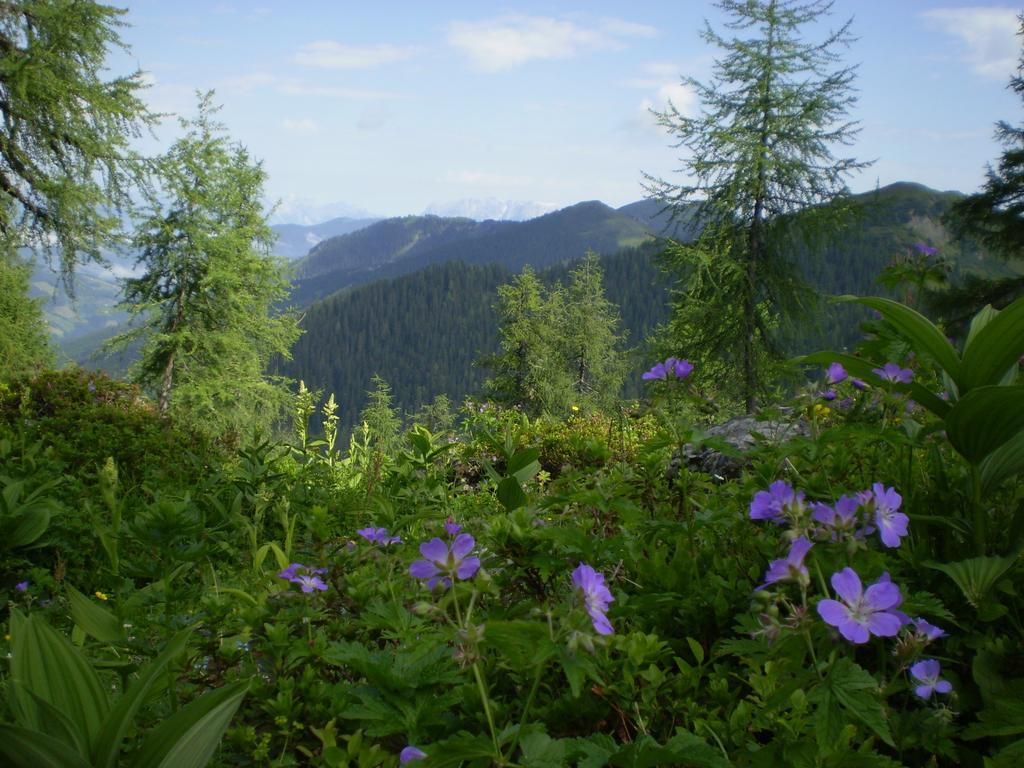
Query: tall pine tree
[(759, 149), (205, 305)]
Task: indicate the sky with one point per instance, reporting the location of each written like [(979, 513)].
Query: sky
[(389, 108)]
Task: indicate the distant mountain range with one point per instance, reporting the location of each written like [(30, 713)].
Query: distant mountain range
[(295, 240), (400, 246)]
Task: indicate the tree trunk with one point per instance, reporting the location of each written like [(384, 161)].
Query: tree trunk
[(164, 399)]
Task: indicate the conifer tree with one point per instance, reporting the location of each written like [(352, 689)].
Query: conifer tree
[(760, 149), (994, 217), (205, 305), (528, 370), (66, 164), (590, 338)]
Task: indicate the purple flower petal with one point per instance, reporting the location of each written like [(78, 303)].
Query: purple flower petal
[(423, 569), (847, 585), (409, 754), (435, 550), (462, 546), (468, 568)]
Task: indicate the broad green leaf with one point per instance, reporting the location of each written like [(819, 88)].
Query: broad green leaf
[(864, 369), (984, 419), (511, 494), (28, 527), (49, 666), (238, 593), (1004, 717), (976, 576), (854, 689), (918, 330), (189, 738), (94, 620), (108, 743), (995, 348), (23, 748), (979, 321), (1004, 462), (37, 715), (457, 751)]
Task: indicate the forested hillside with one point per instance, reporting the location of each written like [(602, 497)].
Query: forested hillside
[(423, 332)]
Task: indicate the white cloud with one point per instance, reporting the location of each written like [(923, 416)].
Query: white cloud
[(664, 85), (330, 54), (510, 41), (298, 87), (988, 35), (302, 126)]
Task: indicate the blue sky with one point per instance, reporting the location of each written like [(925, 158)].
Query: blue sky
[(390, 107)]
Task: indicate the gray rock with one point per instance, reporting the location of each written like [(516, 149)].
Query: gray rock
[(740, 435)]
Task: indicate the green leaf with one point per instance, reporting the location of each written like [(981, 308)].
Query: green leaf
[(190, 736), (511, 494), (39, 716), (976, 576), (541, 751), (995, 348), (918, 330), (1004, 462), (1003, 717), (29, 527), (108, 743), (457, 750), (525, 644), (95, 620), (23, 748), (984, 419), (49, 666), (854, 688), (524, 464)]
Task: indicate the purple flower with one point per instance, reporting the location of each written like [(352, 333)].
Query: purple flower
[(927, 250), (858, 384), (596, 597), (863, 612), (21, 586), (927, 673), (841, 518), (836, 374), (927, 632), (775, 502), (379, 536), (289, 573), (443, 563), (893, 373), (790, 568), (673, 368), (309, 583), (409, 754), (892, 525), (451, 527), (304, 576), (829, 395)]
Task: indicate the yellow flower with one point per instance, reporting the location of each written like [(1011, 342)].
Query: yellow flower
[(821, 410), (7, 638), (101, 595), (575, 408)]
